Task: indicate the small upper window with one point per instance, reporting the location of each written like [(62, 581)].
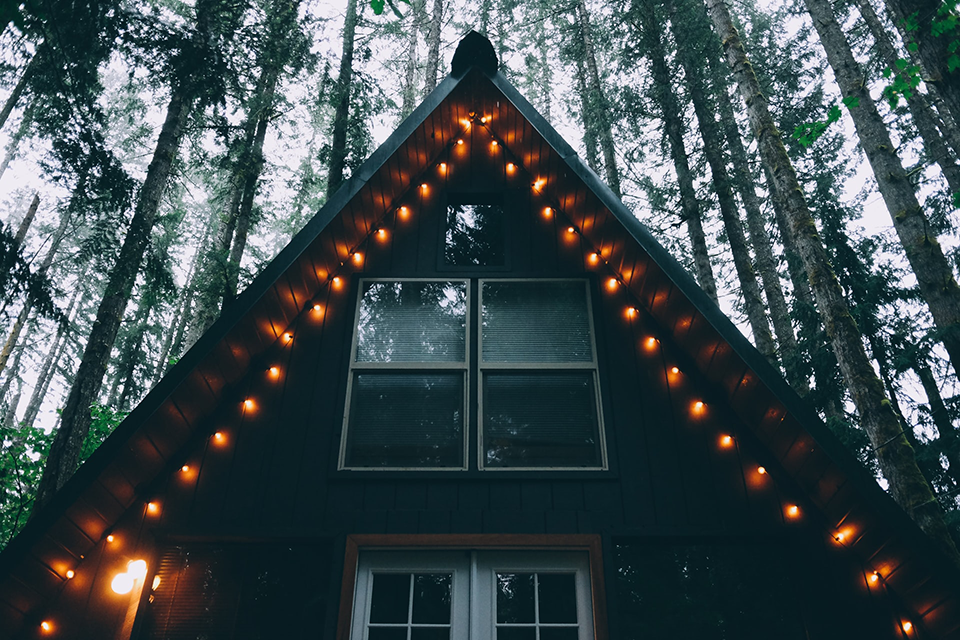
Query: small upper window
[(474, 235)]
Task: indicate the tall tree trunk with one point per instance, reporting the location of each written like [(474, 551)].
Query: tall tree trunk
[(673, 125), (485, 8), (762, 246), (933, 50), (433, 47), (896, 457), (338, 145), (546, 69), (27, 220), (11, 343), (75, 419), (600, 109), (19, 88), (410, 64), (13, 371), (713, 145), (927, 122), (590, 142), (949, 435), (938, 287), (49, 366), (129, 349), (14, 145)]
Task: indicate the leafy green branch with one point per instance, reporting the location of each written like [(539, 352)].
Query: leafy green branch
[(808, 132)]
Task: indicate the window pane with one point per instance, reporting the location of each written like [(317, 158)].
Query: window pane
[(430, 633), (388, 633), (563, 633), (536, 322), (516, 633), (537, 419), (474, 235), (431, 598), (391, 597), (406, 419), (558, 597), (515, 597), (412, 322)]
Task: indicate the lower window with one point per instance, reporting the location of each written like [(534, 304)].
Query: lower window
[(472, 594)]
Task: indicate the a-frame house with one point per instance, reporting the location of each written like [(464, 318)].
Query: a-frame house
[(474, 398)]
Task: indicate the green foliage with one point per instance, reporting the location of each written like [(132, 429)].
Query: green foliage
[(905, 80), (378, 6), (808, 133), (23, 457), (17, 279)]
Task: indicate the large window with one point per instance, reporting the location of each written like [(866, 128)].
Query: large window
[(535, 381), (479, 594)]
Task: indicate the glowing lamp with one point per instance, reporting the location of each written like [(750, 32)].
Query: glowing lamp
[(443, 166), (674, 370), (274, 372), (538, 184), (137, 568), (547, 212), (248, 404), (287, 337), (651, 342), (337, 281), (218, 436), (318, 307), (698, 405), (612, 284), (153, 508), (404, 213), (726, 441), (483, 119), (185, 468), (571, 230), (381, 234), (460, 141), (840, 536), (593, 258), (493, 144), (762, 470), (907, 626), (46, 626), (122, 583), (424, 187), (111, 538), (793, 511), (632, 312), (70, 573), (358, 258), (874, 577)]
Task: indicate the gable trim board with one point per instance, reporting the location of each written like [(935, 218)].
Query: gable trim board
[(129, 467)]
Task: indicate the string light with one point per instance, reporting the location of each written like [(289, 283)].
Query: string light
[(631, 312), (274, 372), (511, 167), (612, 284), (122, 583), (698, 406), (726, 441), (185, 469), (443, 167), (762, 470), (248, 404), (358, 258), (424, 187), (907, 626), (46, 626), (674, 370), (547, 212), (793, 511), (111, 538), (318, 308), (153, 508), (403, 212), (381, 234), (337, 282), (874, 577), (571, 230), (493, 144), (539, 183), (218, 436), (483, 119), (460, 141), (593, 258), (70, 573), (287, 337)]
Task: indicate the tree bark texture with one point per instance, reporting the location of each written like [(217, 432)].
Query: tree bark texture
[(673, 126), (19, 88), (338, 145), (938, 287), (932, 49), (410, 64), (712, 148), (599, 110), (590, 142), (927, 122), (28, 217), (896, 457), (14, 145), (433, 47), (75, 419)]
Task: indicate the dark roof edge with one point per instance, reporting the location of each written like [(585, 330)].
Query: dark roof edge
[(88, 472), (770, 377)]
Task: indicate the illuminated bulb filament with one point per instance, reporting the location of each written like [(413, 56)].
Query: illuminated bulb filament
[(761, 470), (218, 436), (907, 626), (593, 258), (547, 212), (46, 626), (358, 258), (70, 574), (674, 370), (185, 468), (110, 538), (874, 577), (793, 511), (248, 404), (612, 284)]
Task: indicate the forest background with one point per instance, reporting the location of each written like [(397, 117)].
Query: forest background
[(156, 155)]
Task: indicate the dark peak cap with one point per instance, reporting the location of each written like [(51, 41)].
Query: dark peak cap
[(474, 51)]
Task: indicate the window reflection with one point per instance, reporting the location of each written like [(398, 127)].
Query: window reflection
[(474, 235)]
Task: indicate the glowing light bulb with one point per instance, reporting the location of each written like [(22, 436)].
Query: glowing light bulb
[(185, 468), (153, 508), (539, 183), (287, 337), (274, 372), (403, 212), (358, 258), (317, 308), (137, 568), (698, 405), (632, 312), (593, 258), (111, 538), (726, 441), (424, 187), (571, 230), (248, 404), (337, 281), (762, 470), (493, 144), (874, 577), (70, 573), (650, 342), (907, 626), (793, 511), (612, 284), (156, 583), (511, 167), (840, 536), (674, 370), (483, 119), (46, 626), (443, 167), (547, 212), (122, 583), (460, 141), (382, 234), (218, 436)]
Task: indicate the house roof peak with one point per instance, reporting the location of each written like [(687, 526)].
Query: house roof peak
[(474, 50)]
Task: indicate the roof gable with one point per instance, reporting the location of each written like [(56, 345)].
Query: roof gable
[(136, 460)]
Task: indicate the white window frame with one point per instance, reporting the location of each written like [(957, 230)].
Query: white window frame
[(463, 367), (473, 586), (590, 367)]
